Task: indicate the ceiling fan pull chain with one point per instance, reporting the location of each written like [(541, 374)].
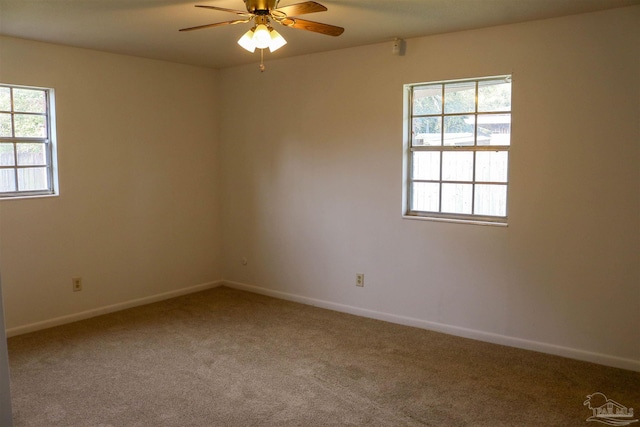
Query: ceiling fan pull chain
[(262, 60)]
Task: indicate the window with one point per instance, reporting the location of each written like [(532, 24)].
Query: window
[(457, 149), (27, 152)]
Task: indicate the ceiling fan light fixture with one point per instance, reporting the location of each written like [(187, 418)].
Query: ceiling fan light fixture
[(277, 41), (247, 42), (261, 37)]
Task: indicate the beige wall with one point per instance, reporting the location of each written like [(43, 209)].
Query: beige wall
[(137, 211), (307, 185), (313, 178)]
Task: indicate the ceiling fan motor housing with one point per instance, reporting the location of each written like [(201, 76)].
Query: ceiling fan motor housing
[(261, 7)]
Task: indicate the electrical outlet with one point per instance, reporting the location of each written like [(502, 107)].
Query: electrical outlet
[(360, 280), (77, 284)]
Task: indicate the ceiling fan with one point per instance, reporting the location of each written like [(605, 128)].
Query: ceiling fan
[(262, 13)]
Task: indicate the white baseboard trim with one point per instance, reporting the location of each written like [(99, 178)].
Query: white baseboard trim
[(32, 327), (572, 353)]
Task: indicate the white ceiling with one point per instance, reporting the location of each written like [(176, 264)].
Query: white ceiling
[(149, 28)]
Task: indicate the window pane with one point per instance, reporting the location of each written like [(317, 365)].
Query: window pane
[(7, 180), (459, 130), (491, 200), (29, 101), (459, 148), (31, 154), (6, 155), (456, 198), (460, 97), (30, 126), (426, 165), (427, 100), (5, 125), (5, 99), (492, 166), (494, 95), (457, 166), (426, 131), (30, 179), (494, 129), (425, 196)]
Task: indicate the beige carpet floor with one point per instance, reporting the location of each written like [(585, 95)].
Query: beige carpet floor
[(224, 357)]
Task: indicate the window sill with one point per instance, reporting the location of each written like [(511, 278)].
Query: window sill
[(454, 220), (32, 196)]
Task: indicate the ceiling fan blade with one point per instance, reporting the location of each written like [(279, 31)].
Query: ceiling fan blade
[(301, 8), (237, 12), (217, 24), (316, 27)]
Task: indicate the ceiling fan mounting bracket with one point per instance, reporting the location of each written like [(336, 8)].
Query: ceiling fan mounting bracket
[(260, 7)]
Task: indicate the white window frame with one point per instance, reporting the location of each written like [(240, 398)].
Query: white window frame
[(409, 148), (49, 141)]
